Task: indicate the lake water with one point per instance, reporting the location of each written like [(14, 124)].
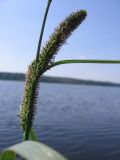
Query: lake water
[(81, 122)]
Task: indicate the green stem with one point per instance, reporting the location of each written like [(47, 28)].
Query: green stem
[(34, 82), (31, 103), (83, 61), (42, 30)]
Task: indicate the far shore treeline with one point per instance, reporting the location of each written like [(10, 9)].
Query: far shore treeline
[(49, 79)]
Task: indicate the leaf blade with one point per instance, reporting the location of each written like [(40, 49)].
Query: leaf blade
[(31, 150), (8, 155), (94, 61), (32, 135)]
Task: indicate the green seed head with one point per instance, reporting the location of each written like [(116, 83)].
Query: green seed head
[(46, 58)]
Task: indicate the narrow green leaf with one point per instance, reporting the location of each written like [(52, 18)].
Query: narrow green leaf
[(33, 136), (69, 61), (31, 150), (7, 155), (42, 29)]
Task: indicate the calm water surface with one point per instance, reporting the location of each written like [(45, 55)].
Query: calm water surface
[(81, 122)]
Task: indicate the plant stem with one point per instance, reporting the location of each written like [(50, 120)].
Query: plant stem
[(42, 30), (31, 103), (34, 81), (83, 61)]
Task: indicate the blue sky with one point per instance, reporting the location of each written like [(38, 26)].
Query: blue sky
[(98, 37)]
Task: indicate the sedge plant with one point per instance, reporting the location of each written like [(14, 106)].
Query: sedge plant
[(44, 60)]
